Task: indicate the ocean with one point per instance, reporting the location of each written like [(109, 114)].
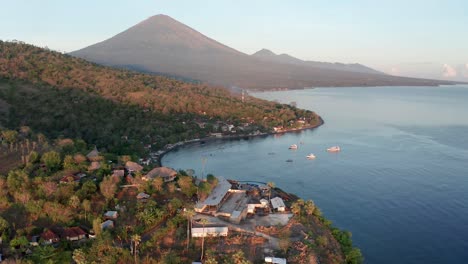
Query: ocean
[(400, 183)]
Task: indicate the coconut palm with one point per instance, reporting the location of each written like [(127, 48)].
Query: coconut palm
[(270, 185), (136, 241), (189, 213), (203, 221)]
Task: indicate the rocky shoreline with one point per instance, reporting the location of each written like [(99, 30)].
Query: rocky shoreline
[(158, 155)]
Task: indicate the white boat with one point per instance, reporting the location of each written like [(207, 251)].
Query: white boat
[(310, 156), (334, 149), (293, 146)]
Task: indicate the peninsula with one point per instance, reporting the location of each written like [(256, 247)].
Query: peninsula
[(78, 182)]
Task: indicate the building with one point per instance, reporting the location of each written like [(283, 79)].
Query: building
[(142, 196), (166, 173), (95, 165), (73, 234), (70, 179), (214, 200), (49, 237), (212, 231), (133, 166), (111, 215), (275, 260), (118, 173), (278, 204), (107, 224), (93, 155)]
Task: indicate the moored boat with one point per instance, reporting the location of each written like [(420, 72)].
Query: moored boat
[(334, 149), (293, 146), (310, 156)]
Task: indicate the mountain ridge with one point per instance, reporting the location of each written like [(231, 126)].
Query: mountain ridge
[(161, 44)]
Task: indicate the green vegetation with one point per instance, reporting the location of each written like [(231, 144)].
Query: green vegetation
[(50, 185), (307, 213), (122, 110)]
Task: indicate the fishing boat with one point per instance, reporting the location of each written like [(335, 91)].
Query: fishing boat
[(310, 156), (334, 149), (293, 146)]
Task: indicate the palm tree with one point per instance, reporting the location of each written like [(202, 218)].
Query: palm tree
[(309, 207), (204, 221), (271, 185), (136, 241), (189, 213)]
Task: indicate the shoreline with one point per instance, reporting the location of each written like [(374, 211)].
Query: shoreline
[(158, 156)]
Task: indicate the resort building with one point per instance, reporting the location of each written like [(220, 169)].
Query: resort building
[(278, 204), (213, 231), (213, 201), (166, 173)]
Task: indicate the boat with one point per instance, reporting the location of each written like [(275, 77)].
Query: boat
[(289, 160), (293, 146), (310, 156), (334, 149)]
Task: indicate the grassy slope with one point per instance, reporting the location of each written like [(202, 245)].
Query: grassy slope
[(62, 95)]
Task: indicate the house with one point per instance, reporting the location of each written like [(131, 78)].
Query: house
[(118, 173), (142, 196), (133, 166), (166, 173), (73, 234), (34, 240), (111, 215), (49, 237), (107, 224), (216, 196), (275, 260), (95, 165), (278, 204), (213, 231), (70, 178), (93, 155)]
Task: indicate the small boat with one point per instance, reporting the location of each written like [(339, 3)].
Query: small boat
[(293, 146), (310, 156), (334, 149), (289, 160)]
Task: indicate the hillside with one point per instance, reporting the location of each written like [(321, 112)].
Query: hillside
[(61, 95), (163, 45)]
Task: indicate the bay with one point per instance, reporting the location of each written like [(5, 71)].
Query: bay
[(400, 183)]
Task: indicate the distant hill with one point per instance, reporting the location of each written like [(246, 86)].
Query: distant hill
[(268, 55), (161, 44)]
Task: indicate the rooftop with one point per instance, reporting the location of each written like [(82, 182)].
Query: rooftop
[(218, 193), (277, 202)]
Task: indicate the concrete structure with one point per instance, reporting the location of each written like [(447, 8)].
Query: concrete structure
[(275, 260), (278, 204), (107, 224), (216, 196), (166, 173), (212, 231), (111, 215), (143, 195)]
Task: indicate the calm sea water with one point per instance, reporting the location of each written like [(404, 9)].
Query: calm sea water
[(400, 184)]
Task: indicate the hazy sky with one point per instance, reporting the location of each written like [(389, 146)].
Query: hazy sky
[(421, 38)]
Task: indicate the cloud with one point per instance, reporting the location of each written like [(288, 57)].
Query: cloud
[(449, 71), (394, 71), (465, 70)]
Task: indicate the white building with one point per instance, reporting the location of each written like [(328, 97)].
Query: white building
[(275, 260), (278, 204), (212, 231)]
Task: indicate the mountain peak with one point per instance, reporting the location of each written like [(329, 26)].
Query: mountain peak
[(159, 18), (264, 52)]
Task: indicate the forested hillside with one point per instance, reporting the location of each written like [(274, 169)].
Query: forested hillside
[(61, 95)]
